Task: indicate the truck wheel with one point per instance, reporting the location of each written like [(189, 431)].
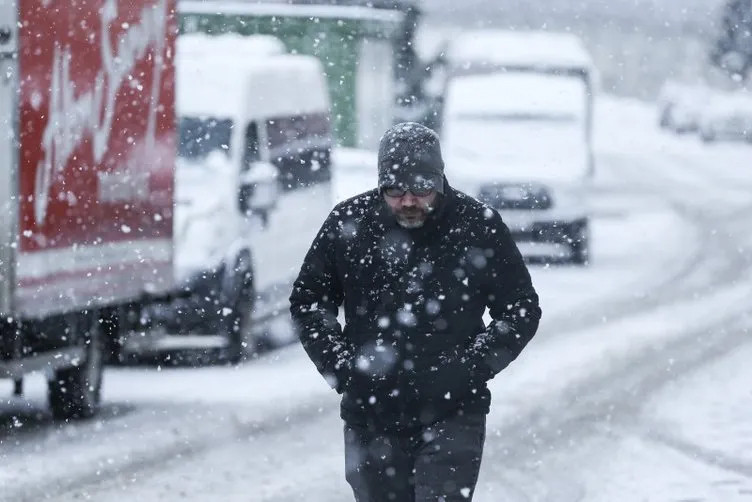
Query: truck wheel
[(580, 245), (75, 392), (239, 323)]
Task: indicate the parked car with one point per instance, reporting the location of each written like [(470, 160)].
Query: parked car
[(680, 106), (727, 117)]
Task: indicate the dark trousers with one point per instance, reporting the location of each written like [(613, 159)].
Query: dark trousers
[(438, 463)]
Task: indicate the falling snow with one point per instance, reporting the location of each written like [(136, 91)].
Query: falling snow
[(168, 168)]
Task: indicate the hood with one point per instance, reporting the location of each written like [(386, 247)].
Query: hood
[(205, 194), (193, 177)]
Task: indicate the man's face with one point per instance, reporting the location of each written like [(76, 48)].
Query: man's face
[(409, 209)]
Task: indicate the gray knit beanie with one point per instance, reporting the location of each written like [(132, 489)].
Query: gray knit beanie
[(410, 157)]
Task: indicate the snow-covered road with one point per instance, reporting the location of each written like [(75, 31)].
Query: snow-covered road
[(637, 387)]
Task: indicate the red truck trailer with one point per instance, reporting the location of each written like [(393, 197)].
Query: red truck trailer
[(87, 156)]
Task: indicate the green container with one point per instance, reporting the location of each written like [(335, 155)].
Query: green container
[(355, 44)]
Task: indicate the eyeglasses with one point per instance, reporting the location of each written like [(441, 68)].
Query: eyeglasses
[(400, 192)]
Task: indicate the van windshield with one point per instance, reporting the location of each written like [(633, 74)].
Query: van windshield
[(518, 96), (199, 136), (524, 123)]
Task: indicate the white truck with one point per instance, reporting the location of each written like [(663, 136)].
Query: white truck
[(516, 127), (254, 132), (87, 157), (124, 221)]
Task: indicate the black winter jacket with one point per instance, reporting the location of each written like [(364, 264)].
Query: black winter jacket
[(414, 347)]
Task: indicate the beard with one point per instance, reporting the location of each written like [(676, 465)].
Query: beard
[(413, 217)]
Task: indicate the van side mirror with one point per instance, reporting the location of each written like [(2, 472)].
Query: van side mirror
[(258, 190)]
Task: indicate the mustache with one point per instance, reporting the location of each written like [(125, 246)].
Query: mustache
[(412, 211)]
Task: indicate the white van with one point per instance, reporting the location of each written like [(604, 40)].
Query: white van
[(516, 132), (253, 174)]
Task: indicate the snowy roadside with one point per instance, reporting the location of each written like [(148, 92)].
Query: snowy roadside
[(718, 173), (711, 409), (152, 416), (636, 468), (689, 440), (551, 364)]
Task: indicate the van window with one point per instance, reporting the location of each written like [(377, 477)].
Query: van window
[(252, 148), (198, 136), (300, 147)]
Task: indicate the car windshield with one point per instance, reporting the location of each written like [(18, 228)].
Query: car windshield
[(201, 135)]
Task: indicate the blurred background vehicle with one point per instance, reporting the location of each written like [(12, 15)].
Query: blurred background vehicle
[(252, 150), (680, 106), (516, 126), (727, 116)]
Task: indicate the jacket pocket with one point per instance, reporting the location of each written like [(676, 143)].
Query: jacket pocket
[(372, 383), (440, 389), (448, 380)]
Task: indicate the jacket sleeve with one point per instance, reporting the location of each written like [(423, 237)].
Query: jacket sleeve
[(314, 303), (512, 303)]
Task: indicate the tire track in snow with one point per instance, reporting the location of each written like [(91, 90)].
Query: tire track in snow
[(729, 257), (181, 436), (708, 456), (538, 446)]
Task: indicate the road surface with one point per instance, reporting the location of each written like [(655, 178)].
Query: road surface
[(637, 387)]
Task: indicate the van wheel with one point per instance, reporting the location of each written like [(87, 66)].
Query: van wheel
[(75, 392), (239, 323)]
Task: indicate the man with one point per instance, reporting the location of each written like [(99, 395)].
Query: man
[(416, 263)]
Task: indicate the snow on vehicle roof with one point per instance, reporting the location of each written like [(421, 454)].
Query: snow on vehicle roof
[(519, 49), (263, 87), (282, 8), (231, 45)]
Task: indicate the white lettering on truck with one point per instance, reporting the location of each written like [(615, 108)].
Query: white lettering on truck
[(72, 120)]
